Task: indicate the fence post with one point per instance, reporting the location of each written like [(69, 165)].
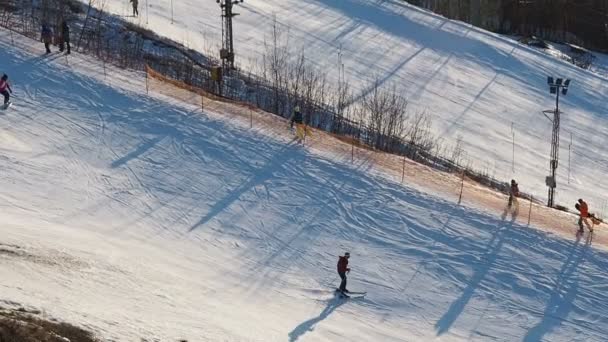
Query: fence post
[(461, 188), (530, 210), (403, 170), (147, 90)]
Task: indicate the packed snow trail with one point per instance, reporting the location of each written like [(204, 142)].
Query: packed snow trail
[(137, 216)]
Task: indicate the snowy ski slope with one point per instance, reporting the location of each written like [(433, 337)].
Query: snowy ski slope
[(475, 84), (137, 216)]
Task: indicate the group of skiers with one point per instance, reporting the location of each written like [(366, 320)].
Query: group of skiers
[(581, 206), (62, 38)]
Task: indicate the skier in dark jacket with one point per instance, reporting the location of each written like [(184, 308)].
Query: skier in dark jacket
[(65, 37), (135, 5), (46, 36), (5, 88), (513, 193), (296, 117), (342, 270)]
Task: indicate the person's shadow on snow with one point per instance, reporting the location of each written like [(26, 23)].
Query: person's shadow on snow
[(309, 325)]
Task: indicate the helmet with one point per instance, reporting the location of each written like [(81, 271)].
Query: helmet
[(513, 181), (4, 77), (580, 200), (347, 254)]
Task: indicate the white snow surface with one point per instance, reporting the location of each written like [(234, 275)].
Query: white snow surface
[(137, 216), (482, 86)]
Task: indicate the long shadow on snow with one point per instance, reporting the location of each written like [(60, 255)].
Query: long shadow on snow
[(458, 248), (309, 325), (494, 58), (562, 297), (491, 254), (259, 176), (152, 121)]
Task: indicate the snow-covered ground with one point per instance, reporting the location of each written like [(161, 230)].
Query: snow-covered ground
[(484, 87), (138, 216)]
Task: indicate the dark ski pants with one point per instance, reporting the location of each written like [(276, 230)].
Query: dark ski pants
[(343, 283), (580, 223), (64, 44), (6, 96), (47, 46)]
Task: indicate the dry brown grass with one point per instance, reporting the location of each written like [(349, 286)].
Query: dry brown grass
[(21, 326)]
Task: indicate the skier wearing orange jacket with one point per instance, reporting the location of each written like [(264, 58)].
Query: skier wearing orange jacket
[(583, 209)]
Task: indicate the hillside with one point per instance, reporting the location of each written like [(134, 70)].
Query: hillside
[(137, 216), (477, 85)]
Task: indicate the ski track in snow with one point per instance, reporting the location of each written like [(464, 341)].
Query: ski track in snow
[(136, 218)]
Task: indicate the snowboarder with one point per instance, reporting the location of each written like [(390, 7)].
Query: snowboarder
[(342, 270), (46, 36), (583, 209), (513, 204), (5, 88), (135, 4), (513, 194), (298, 119), (65, 37)]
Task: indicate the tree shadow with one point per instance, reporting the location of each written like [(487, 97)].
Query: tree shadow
[(260, 175), (309, 325), (563, 295), (447, 320), (141, 149)]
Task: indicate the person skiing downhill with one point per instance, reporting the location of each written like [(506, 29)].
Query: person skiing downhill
[(65, 37), (342, 270), (513, 204), (135, 4), (46, 36), (5, 88), (298, 119), (583, 209), (513, 194)]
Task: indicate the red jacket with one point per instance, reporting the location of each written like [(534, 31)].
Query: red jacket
[(4, 85), (343, 265), (584, 209)]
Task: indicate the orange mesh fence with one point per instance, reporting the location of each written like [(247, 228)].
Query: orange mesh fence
[(159, 83)]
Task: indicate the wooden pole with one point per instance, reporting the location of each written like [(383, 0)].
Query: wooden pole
[(352, 152), (461, 188), (530, 210), (403, 170), (147, 87), (250, 118), (569, 150), (513, 159)]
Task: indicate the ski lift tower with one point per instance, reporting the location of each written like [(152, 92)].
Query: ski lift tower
[(227, 50), (555, 87)]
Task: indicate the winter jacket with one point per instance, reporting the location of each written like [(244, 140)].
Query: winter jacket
[(46, 34), (343, 265), (4, 85), (584, 209), (514, 190), (65, 32), (297, 116)]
